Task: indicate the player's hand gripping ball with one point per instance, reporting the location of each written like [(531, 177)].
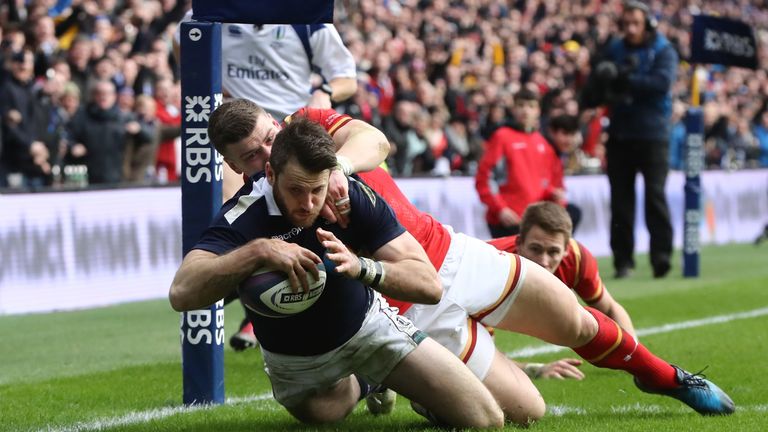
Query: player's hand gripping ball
[(268, 292)]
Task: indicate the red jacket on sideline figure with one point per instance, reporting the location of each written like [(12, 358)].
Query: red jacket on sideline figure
[(517, 169)]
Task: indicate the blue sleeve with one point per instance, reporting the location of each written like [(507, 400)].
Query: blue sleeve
[(220, 239), (661, 76), (371, 217)]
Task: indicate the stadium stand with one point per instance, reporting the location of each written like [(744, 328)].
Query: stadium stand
[(450, 68)]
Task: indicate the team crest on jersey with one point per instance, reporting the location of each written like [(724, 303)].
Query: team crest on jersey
[(277, 34)]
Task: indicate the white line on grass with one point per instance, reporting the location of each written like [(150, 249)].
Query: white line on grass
[(136, 417), (534, 350)]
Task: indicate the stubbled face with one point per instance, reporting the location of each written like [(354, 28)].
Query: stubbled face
[(633, 23), (543, 248), (298, 193), (251, 154)]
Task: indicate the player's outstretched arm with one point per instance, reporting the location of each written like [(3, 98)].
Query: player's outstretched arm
[(361, 146), (204, 277), (558, 369), (401, 271)]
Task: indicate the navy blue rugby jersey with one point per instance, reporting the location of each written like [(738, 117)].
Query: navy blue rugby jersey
[(339, 312)]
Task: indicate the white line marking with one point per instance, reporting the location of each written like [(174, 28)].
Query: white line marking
[(135, 417), (535, 350)]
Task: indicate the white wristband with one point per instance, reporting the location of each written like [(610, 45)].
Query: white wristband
[(345, 165)]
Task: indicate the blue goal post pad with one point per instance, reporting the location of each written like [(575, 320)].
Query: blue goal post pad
[(264, 11)]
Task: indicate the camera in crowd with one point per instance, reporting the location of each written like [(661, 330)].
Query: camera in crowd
[(609, 83)]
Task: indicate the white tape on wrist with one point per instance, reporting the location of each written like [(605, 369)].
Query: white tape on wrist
[(345, 165)]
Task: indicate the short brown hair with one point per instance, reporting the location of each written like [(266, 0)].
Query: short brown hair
[(232, 122), (550, 217), (526, 95), (306, 141)]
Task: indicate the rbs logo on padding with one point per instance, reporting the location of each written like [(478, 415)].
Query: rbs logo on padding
[(196, 326), (199, 152)]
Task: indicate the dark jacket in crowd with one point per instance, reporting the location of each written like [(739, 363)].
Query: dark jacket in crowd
[(104, 136), (21, 97)]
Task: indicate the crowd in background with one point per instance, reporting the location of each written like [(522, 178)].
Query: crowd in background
[(97, 79)]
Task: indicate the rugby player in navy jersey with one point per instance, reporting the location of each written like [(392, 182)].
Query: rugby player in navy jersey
[(323, 360)]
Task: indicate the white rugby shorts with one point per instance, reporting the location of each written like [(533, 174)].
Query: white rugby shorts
[(480, 284), (384, 339)]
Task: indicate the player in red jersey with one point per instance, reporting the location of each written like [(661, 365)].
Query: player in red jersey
[(545, 238), (487, 287)]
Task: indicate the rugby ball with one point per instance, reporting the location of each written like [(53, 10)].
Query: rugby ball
[(267, 292)]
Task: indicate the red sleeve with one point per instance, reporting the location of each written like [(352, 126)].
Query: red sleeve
[(328, 118), (550, 170), (556, 170), (494, 151), (588, 284)]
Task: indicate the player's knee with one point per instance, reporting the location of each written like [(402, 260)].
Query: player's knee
[(525, 413), (533, 413), (586, 328), (577, 329), (492, 417), (321, 412), (320, 417)]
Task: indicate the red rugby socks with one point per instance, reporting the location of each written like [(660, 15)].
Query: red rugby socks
[(614, 348)]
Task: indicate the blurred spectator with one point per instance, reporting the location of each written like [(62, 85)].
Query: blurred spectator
[(677, 136), (99, 132), (45, 44), (168, 115), (70, 99), (761, 133), (141, 148), (397, 128), (518, 168), (53, 123), (743, 148), (24, 152), (563, 134), (79, 57), (364, 105)]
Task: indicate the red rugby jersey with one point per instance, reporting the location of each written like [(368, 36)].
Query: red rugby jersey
[(578, 270)]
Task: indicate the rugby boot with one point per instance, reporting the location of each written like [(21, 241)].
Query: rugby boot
[(244, 338), (697, 392)]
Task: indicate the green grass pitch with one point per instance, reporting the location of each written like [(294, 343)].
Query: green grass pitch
[(118, 368)]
